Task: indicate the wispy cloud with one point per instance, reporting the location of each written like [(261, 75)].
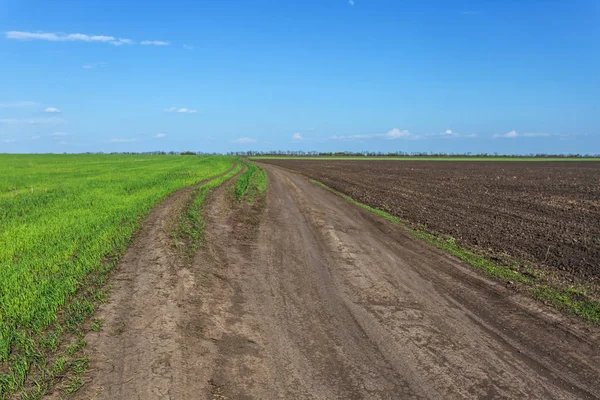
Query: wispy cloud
[(59, 134), (35, 137), (450, 134), (121, 42), (52, 110), (43, 121), (32, 121), (94, 65), (58, 37), (154, 43), (78, 37), (122, 140), (160, 135), (469, 12), (244, 140), (514, 134), (8, 140), (188, 47), (539, 134), (19, 104), (181, 110), (351, 2), (392, 134), (297, 137), (507, 135)]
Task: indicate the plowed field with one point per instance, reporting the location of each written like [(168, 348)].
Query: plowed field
[(547, 213)]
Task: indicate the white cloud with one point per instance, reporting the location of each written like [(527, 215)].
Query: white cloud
[(94, 65), (514, 134), (78, 37), (35, 137), (50, 120), (59, 134), (449, 134), (88, 38), (121, 42), (188, 47), (541, 134), (58, 37), (297, 136), (154, 43), (397, 133), (392, 134), (351, 2), (160, 135), (181, 110), (119, 140), (52, 110), (32, 121), (507, 135), (244, 140), (8, 140), (19, 104)]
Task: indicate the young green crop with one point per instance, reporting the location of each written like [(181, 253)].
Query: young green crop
[(252, 183), (191, 222), (60, 217), (242, 183)]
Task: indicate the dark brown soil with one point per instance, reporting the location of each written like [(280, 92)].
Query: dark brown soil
[(547, 213)]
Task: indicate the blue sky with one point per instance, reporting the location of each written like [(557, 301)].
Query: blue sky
[(380, 75)]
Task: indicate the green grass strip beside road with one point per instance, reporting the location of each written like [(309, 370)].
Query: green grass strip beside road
[(568, 299)]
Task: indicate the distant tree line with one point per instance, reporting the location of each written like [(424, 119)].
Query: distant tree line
[(297, 153), (282, 153)]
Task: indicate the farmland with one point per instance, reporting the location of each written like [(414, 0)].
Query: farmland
[(222, 286), (543, 214), (62, 218)]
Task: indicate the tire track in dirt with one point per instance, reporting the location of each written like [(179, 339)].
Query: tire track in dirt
[(329, 301), (325, 300), (145, 348)]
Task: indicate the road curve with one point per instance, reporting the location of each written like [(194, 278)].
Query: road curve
[(327, 301)]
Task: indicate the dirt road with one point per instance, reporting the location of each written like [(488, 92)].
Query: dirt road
[(322, 300)]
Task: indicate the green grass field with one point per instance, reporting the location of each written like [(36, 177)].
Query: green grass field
[(410, 158), (61, 216)]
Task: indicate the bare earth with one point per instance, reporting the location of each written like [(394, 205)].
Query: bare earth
[(322, 300)]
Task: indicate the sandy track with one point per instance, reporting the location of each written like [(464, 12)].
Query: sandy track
[(325, 301)]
